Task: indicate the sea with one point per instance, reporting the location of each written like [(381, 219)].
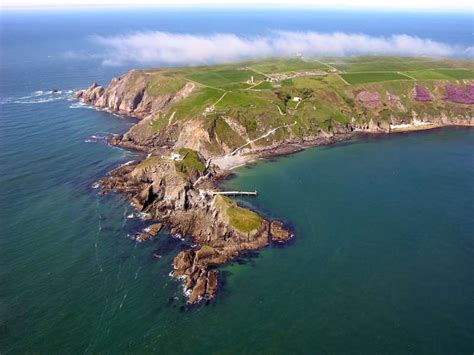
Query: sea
[(383, 256)]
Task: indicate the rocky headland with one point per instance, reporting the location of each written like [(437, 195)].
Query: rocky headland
[(194, 134)]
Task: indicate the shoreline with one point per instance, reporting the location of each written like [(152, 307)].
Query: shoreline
[(288, 148)]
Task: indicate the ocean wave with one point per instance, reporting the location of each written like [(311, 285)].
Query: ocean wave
[(39, 97), (81, 105), (127, 163), (98, 138)]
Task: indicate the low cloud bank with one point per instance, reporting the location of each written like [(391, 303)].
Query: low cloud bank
[(174, 48)]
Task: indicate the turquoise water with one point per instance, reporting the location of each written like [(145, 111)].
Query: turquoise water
[(383, 257)]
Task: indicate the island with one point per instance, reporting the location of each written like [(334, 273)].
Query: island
[(198, 123)]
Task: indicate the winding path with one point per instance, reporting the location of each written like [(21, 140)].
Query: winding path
[(261, 137)]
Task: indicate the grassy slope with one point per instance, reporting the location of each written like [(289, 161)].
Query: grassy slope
[(191, 165)]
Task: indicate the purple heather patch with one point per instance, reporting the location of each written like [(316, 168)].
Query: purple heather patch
[(460, 95), (421, 94)]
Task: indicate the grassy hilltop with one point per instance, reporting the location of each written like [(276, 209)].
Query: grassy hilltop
[(233, 104)]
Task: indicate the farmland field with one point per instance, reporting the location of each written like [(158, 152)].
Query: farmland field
[(219, 78), (371, 77), (441, 74), (369, 64), (263, 86), (281, 66)]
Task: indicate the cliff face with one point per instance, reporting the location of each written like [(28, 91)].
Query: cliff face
[(128, 95)]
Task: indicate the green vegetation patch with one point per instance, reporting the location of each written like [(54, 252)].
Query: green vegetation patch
[(153, 160), (382, 63), (195, 104), (238, 99), (225, 77), (190, 165), (235, 86), (456, 73), (242, 219), (371, 77), (286, 65), (218, 128), (164, 84), (441, 74), (159, 121), (264, 85)]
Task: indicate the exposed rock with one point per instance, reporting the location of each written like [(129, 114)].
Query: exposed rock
[(278, 233), (395, 102), (369, 99), (149, 232), (127, 95)]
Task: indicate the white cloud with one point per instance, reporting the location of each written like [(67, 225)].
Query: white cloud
[(173, 48)]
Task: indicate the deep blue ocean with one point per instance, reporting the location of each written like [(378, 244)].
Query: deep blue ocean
[(382, 262)]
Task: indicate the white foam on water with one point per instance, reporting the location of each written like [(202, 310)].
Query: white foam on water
[(143, 215), (127, 163), (39, 97), (81, 105)]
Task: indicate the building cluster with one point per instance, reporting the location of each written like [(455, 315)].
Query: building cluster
[(285, 76)]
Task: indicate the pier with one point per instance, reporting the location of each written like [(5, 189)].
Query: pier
[(234, 193)]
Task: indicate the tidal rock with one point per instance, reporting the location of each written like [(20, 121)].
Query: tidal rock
[(149, 232), (278, 232)]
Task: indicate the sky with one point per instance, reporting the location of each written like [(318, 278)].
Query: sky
[(461, 5)]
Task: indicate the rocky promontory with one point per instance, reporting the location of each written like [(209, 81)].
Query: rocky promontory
[(196, 124), (164, 187)]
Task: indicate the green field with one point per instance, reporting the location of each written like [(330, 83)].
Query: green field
[(218, 78), (287, 65), (377, 63), (372, 77), (441, 74), (263, 86)]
